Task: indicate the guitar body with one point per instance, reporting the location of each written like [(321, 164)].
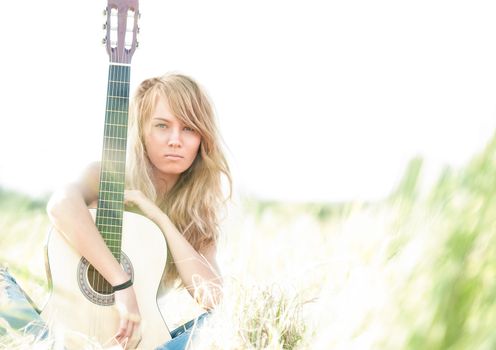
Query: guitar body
[(75, 306)]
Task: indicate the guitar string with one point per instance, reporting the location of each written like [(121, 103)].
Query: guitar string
[(110, 120), (115, 106), (118, 130), (113, 131), (97, 324), (100, 197), (114, 187), (108, 131)]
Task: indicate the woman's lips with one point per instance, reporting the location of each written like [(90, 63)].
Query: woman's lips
[(173, 156)]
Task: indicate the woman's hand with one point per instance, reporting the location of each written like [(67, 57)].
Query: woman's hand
[(137, 198), (129, 327)]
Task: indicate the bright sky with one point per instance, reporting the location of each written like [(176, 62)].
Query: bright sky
[(317, 100)]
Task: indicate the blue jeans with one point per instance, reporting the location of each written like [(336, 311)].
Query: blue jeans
[(19, 312), (17, 309), (182, 334)]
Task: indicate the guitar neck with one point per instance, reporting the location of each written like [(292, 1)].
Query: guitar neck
[(112, 176)]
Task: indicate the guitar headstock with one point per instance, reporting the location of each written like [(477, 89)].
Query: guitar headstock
[(121, 30)]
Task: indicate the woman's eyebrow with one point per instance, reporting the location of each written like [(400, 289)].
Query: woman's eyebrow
[(162, 118)]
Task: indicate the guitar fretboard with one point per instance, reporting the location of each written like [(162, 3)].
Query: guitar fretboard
[(112, 176)]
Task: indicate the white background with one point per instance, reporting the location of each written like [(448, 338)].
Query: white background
[(317, 100)]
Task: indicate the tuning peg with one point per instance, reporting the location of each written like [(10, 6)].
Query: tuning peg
[(105, 12), (137, 44), (105, 26), (137, 30), (104, 41)]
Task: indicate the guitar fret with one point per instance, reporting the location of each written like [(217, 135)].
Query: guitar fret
[(115, 150), (112, 192), (113, 182), (113, 239), (116, 107), (105, 231), (110, 229), (110, 149), (117, 81), (108, 217), (105, 171), (112, 201), (119, 160), (110, 213), (121, 97), (115, 137), (109, 225), (108, 201), (112, 172), (116, 168), (113, 179), (119, 125), (116, 205), (113, 186), (115, 227), (113, 165), (110, 220)]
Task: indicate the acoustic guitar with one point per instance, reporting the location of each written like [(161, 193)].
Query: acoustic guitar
[(81, 300)]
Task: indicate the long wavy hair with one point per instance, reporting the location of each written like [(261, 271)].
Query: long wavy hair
[(194, 201)]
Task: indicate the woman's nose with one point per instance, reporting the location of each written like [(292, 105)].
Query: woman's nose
[(174, 138)]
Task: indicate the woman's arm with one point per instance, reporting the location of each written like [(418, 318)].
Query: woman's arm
[(198, 270), (68, 212)]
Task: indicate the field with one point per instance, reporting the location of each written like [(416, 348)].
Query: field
[(416, 270)]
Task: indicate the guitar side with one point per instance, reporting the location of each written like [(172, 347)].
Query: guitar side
[(69, 311)]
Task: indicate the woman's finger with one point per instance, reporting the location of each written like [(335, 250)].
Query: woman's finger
[(129, 330), (128, 198), (136, 336), (123, 328)]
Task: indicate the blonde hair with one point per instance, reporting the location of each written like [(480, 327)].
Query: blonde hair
[(194, 201)]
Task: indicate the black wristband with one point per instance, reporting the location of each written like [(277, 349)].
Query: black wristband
[(122, 286)]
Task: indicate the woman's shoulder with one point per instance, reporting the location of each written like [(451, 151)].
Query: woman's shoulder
[(92, 169), (89, 182)]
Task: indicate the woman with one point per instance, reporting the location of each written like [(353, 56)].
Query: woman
[(174, 175)]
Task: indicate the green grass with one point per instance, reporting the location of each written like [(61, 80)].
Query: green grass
[(414, 271)]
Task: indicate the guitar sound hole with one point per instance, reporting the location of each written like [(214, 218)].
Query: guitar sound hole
[(94, 287), (97, 282)]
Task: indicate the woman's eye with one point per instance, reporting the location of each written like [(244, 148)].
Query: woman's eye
[(161, 126), (187, 128)]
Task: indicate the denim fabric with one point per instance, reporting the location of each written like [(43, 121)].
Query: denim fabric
[(17, 310), (182, 334)]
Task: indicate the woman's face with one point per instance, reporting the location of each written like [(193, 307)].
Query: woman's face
[(171, 146)]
